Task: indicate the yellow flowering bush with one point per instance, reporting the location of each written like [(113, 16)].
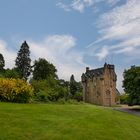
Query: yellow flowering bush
[(15, 90)]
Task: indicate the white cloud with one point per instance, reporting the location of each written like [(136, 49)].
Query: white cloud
[(81, 5), (78, 5), (119, 83), (60, 50), (120, 25), (9, 55), (125, 50), (63, 6), (57, 49), (103, 53)]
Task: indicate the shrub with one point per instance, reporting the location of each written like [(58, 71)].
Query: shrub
[(124, 99), (78, 96), (48, 90), (15, 90), (41, 96)]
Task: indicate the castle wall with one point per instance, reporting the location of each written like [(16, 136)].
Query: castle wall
[(93, 90), (109, 87), (101, 88)]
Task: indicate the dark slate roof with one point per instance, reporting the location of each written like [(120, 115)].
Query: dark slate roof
[(98, 71), (94, 72)]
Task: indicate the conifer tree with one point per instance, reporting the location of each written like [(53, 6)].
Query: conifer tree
[(73, 87), (2, 62), (23, 61)]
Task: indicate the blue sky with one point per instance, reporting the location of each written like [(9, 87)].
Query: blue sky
[(73, 34)]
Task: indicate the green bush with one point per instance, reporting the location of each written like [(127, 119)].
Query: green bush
[(124, 99), (78, 96), (15, 90), (48, 90)]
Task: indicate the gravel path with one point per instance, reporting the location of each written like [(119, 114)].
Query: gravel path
[(134, 110)]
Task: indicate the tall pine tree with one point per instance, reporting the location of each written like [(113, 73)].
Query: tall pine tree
[(73, 85), (23, 61), (2, 62)]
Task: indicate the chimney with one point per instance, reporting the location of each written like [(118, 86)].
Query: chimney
[(87, 69)]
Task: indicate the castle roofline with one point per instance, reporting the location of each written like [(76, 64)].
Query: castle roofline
[(98, 71)]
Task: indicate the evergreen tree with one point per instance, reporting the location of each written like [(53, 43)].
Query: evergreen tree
[(43, 70), (73, 85), (23, 61), (2, 62)]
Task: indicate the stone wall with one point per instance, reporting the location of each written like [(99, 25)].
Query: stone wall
[(100, 89)]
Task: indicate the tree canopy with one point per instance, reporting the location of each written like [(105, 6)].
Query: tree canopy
[(43, 70), (23, 61), (131, 85)]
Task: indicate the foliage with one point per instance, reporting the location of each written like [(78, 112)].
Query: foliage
[(78, 96), (75, 89), (2, 62), (124, 99), (131, 85), (11, 73), (15, 90), (49, 90), (43, 70), (23, 61)]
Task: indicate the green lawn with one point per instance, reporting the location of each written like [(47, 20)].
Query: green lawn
[(66, 122)]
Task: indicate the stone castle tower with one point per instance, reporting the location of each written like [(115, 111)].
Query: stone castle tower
[(99, 86)]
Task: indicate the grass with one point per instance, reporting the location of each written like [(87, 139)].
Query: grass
[(66, 122)]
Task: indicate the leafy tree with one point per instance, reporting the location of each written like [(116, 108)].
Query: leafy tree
[(23, 61), (131, 85), (11, 73), (43, 70), (124, 98), (49, 90), (2, 62)]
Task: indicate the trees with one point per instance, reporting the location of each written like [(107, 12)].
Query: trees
[(23, 61), (124, 98), (43, 70), (2, 62), (131, 85), (11, 73), (73, 87)]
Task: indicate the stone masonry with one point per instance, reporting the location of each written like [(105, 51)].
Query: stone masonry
[(99, 86)]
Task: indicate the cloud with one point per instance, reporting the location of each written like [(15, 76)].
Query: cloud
[(60, 50), (57, 49), (9, 55), (102, 54), (120, 29), (81, 5), (63, 6)]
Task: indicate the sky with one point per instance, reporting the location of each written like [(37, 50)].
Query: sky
[(73, 34)]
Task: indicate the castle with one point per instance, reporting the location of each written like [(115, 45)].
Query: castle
[(99, 86)]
